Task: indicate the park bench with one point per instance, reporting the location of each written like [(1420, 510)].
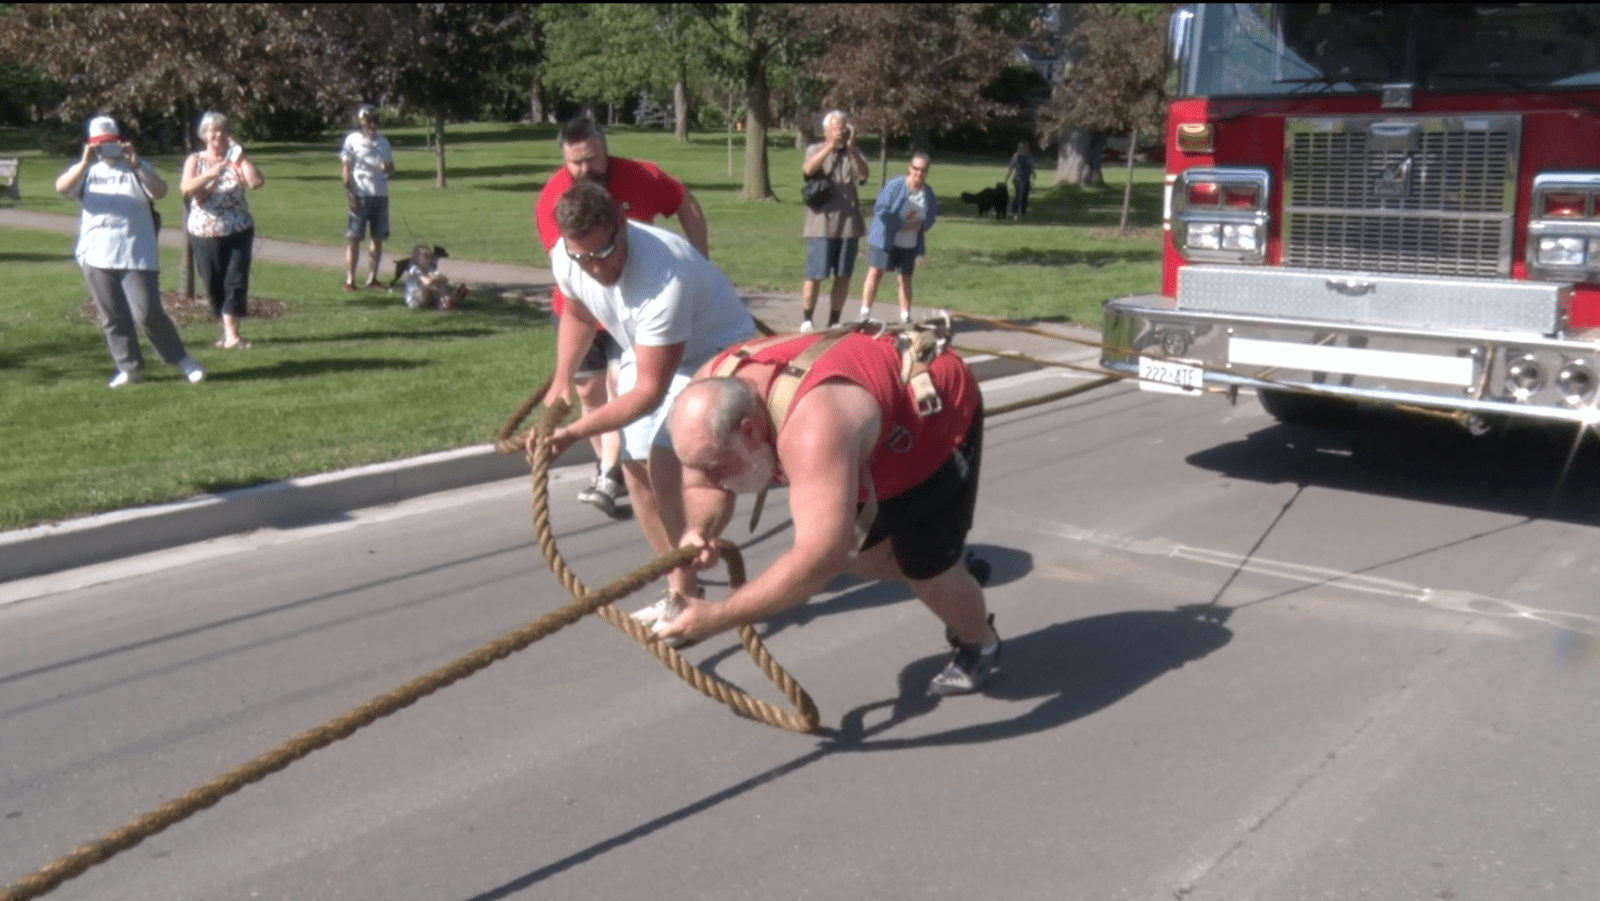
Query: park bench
[(8, 178)]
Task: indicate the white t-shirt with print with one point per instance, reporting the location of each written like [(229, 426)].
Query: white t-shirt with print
[(366, 158)]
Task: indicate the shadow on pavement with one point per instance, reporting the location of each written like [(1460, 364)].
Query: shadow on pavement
[(1539, 472), (1078, 668)]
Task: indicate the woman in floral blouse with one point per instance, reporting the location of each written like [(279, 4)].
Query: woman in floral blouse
[(221, 229)]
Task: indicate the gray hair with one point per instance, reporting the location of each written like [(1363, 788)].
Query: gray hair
[(732, 401), (584, 207), (211, 118), (832, 115)]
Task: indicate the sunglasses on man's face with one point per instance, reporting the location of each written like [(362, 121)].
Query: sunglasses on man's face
[(584, 259)]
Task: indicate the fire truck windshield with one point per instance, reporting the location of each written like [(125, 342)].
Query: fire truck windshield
[(1297, 48)]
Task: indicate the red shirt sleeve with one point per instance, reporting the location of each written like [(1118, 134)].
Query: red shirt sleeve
[(544, 220)]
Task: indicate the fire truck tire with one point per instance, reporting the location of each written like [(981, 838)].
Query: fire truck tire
[(1306, 409)]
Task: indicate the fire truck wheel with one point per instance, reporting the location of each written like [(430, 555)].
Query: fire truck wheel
[(1307, 409)]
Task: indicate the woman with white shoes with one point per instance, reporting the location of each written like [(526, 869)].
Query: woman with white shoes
[(118, 252)]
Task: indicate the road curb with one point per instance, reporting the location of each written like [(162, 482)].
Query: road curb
[(53, 547)]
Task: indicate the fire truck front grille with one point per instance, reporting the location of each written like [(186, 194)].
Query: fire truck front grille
[(1423, 196)]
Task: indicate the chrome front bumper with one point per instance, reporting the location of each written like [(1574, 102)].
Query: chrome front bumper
[(1477, 346)]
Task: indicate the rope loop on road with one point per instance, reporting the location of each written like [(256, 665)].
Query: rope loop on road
[(802, 718)]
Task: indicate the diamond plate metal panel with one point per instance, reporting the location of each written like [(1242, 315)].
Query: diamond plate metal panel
[(1371, 299)]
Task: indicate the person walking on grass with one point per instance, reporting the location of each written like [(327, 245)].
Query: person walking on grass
[(365, 163), (118, 253), (906, 208)]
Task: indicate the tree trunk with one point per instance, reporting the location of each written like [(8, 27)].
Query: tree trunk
[(730, 130), (757, 178), (439, 179), (680, 111), (535, 101), (1078, 159), (883, 161), (1127, 187)]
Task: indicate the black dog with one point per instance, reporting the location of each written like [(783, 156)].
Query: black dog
[(989, 199)]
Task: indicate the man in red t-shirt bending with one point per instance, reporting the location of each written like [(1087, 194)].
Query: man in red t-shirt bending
[(855, 435), (645, 193)]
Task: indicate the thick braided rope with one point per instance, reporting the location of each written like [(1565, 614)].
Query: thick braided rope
[(138, 829), (803, 718)]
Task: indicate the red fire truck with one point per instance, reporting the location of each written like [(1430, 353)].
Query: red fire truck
[(1395, 205)]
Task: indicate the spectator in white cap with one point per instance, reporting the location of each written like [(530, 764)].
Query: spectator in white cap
[(118, 252), (365, 163)]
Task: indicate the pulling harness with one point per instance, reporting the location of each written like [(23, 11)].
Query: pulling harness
[(917, 343)]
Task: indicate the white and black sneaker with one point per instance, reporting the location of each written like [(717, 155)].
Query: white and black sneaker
[(601, 494), (659, 614), (970, 666)]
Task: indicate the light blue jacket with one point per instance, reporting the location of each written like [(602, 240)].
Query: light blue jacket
[(888, 214)]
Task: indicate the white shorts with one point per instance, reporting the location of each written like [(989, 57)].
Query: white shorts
[(651, 429)]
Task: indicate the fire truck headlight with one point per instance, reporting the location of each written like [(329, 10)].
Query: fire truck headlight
[(1558, 251), (1240, 237), (1205, 236)]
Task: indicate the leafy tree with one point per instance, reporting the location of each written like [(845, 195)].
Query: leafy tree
[(746, 43), (174, 60), (437, 57), (1113, 74), (905, 68), (608, 52), (1118, 82)]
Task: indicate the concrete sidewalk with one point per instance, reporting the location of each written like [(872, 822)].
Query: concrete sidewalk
[(326, 497)]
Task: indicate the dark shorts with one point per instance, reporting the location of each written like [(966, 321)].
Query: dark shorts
[(894, 259), (927, 526), (371, 213), (830, 257), (604, 352)]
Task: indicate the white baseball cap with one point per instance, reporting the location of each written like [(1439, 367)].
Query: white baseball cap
[(102, 130)]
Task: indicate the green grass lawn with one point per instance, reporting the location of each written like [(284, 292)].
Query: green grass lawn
[(336, 381), (330, 382)]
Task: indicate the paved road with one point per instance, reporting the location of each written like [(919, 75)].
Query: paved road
[(1243, 663)]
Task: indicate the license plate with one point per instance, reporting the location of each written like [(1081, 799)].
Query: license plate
[(1170, 376)]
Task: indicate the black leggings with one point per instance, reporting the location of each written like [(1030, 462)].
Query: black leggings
[(224, 266)]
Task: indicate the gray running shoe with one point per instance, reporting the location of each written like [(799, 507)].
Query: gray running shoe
[(970, 666), (602, 495)]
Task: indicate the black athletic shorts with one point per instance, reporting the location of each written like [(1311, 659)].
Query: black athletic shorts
[(927, 526), (604, 352)]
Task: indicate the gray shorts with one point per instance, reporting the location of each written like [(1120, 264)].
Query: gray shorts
[(371, 213), (835, 257)]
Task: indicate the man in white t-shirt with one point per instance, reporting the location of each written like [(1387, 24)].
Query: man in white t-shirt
[(670, 310), (365, 163)]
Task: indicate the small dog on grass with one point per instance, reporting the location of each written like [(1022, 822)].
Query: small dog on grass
[(425, 286), (994, 198)]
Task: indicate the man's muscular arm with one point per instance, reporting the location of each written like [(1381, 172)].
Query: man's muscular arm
[(823, 449)]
